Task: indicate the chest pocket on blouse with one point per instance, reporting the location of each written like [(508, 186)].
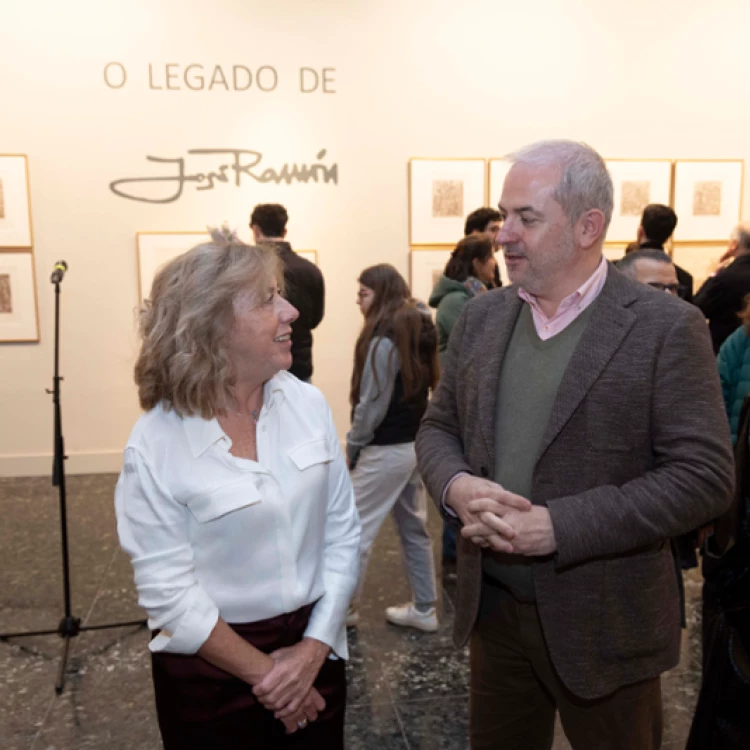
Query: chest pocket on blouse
[(224, 500), (311, 453)]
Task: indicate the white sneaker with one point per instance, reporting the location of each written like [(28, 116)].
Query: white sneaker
[(352, 618), (408, 616)]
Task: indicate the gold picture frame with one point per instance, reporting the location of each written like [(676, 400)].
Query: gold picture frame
[(19, 309), (442, 193), (708, 195)]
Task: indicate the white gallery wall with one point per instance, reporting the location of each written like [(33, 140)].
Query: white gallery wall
[(646, 79)]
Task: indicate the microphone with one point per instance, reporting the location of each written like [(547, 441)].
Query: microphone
[(58, 271)]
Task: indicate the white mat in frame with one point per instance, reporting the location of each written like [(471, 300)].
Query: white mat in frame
[(19, 320), (442, 193), (15, 203), (707, 199)]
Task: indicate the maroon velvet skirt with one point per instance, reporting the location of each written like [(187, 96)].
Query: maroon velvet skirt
[(200, 706)]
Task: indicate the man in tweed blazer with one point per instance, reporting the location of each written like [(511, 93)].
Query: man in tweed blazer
[(578, 426)]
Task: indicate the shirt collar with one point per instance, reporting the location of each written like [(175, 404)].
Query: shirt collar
[(203, 433), (591, 286)]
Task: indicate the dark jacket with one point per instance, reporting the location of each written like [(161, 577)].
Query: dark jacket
[(637, 451), (722, 296), (684, 279), (734, 371), (305, 289)]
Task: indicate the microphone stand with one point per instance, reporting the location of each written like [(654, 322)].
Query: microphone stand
[(69, 627)]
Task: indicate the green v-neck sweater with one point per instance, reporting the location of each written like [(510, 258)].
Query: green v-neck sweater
[(530, 376)]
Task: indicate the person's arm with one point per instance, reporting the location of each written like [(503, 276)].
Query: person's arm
[(711, 297), (693, 474), (375, 392), (729, 363), (296, 668)]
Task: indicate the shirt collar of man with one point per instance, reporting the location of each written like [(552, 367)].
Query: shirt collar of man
[(203, 433), (582, 297)]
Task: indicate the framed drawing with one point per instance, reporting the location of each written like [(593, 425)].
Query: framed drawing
[(311, 255), (707, 199), (700, 260), (18, 309), (498, 170), (636, 184), (155, 249), (425, 268), (15, 204), (442, 192)]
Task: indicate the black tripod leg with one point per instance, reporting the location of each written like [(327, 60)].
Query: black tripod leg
[(60, 682)]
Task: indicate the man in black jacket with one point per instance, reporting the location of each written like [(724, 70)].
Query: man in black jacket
[(486, 221), (722, 296), (657, 224), (305, 288)]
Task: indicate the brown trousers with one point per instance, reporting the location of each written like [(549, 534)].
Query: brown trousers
[(201, 707), (515, 691)]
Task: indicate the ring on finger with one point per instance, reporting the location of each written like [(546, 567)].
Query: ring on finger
[(302, 723)]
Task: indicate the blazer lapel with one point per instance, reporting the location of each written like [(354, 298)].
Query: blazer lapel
[(610, 322), (497, 330)]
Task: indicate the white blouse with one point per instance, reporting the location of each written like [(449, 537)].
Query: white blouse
[(214, 535)]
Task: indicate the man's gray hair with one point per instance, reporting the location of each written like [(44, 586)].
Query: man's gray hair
[(585, 183), (741, 233), (627, 264)]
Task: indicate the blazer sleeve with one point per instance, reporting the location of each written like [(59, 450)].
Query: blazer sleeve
[(692, 477), (440, 450)]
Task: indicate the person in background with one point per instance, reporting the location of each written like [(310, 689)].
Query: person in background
[(577, 427), (395, 366), (722, 296), (651, 267), (471, 267), (486, 221), (303, 284), (734, 369), (658, 222), (236, 508)]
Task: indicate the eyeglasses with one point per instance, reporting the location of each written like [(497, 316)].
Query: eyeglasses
[(363, 293), (671, 288)]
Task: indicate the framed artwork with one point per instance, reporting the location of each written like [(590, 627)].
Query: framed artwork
[(707, 199), (19, 320), (155, 249), (700, 260), (15, 204), (425, 268), (498, 171), (311, 255), (636, 184), (442, 192)]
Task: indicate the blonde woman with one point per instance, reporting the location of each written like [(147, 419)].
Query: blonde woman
[(236, 508)]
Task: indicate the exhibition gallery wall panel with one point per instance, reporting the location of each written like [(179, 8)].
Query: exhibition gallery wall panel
[(143, 120)]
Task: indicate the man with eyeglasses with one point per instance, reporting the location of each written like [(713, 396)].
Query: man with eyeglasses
[(651, 267)]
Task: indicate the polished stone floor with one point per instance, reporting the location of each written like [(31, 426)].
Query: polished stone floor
[(407, 690)]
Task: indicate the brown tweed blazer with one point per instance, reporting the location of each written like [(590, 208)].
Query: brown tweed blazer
[(637, 451)]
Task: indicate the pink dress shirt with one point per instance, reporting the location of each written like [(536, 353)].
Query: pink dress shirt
[(570, 308)]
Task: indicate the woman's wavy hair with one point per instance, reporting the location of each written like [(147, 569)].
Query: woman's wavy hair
[(186, 322), (394, 314), (461, 263)]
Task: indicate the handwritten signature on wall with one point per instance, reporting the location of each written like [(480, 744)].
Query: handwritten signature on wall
[(233, 163)]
